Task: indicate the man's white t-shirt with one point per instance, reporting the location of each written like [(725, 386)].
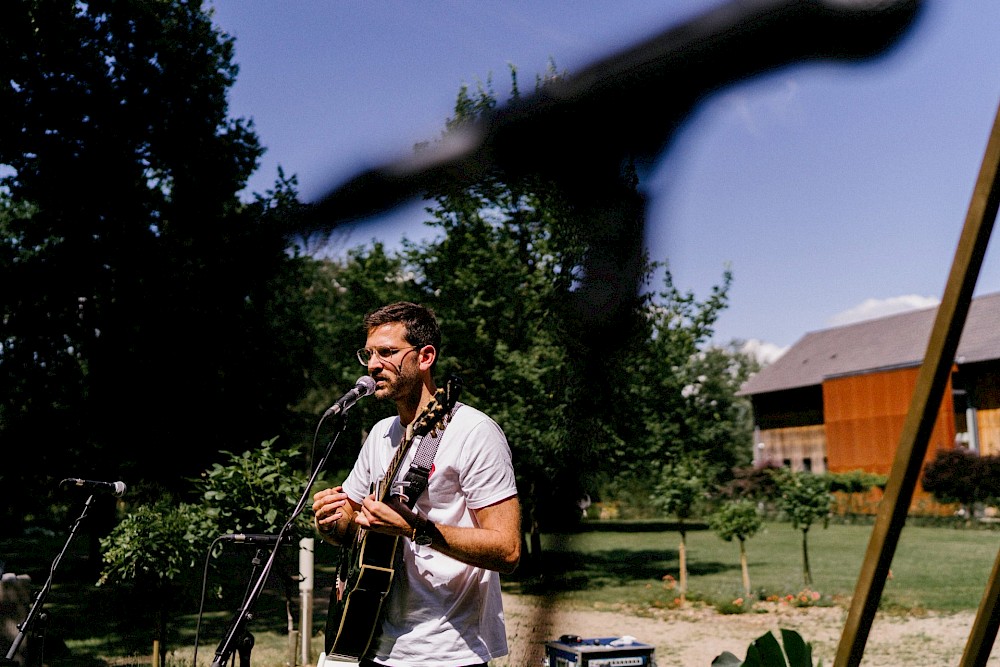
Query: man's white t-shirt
[(441, 612)]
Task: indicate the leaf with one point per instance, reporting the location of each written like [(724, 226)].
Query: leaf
[(798, 651), (754, 658), (770, 651)]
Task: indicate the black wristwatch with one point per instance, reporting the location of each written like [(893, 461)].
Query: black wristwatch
[(423, 532)]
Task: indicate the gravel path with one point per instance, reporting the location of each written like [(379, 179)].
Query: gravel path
[(693, 637)]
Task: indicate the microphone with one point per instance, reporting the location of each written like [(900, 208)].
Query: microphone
[(256, 538), (117, 489), (364, 386)]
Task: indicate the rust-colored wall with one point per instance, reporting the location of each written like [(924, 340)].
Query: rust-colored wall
[(864, 417)]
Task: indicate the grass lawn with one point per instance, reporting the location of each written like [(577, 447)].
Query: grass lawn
[(934, 568)]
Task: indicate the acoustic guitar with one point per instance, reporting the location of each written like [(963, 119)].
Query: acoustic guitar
[(368, 564)]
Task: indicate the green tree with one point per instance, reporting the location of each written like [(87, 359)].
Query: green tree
[(806, 498), (155, 551), (504, 274), (683, 393), (681, 490), (721, 422), (738, 519), (500, 275), (149, 309)]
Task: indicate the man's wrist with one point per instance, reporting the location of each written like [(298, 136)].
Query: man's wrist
[(423, 531)]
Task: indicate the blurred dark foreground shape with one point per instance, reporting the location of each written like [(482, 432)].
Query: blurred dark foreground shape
[(578, 131)]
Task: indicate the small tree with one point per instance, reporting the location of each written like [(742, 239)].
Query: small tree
[(682, 487), (740, 519), (806, 498), (154, 552)]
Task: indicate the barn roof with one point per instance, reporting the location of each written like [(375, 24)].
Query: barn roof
[(888, 342)]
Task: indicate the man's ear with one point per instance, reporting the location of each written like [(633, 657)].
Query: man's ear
[(427, 355)]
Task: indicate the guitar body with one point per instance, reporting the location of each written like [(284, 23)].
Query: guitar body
[(368, 565), (356, 610)]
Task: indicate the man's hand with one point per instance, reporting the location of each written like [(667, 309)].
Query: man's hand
[(334, 514), (391, 517)]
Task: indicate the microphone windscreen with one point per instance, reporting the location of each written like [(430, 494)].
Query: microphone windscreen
[(367, 383)]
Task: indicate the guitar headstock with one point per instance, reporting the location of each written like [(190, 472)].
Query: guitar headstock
[(437, 409)]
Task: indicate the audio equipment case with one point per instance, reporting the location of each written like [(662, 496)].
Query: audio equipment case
[(572, 651)]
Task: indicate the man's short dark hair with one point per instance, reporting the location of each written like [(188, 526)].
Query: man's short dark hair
[(419, 321)]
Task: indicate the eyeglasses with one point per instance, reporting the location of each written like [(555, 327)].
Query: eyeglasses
[(384, 353)]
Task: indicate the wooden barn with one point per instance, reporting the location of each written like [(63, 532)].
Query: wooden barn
[(837, 399)]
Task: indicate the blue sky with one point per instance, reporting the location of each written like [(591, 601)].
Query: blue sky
[(834, 191)]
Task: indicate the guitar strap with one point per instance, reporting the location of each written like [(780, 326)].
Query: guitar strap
[(415, 481)]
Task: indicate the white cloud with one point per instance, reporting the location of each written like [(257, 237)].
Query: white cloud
[(765, 353), (870, 309), (778, 104)]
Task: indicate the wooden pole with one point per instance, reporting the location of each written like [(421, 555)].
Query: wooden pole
[(984, 630), (933, 378)]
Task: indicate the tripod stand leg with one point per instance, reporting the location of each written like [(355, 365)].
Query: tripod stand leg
[(244, 648), (35, 653)]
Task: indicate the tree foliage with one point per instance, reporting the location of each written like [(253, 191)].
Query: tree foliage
[(580, 404), (157, 549), (738, 519), (962, 476), (256, 491), (503, 271), (806, 499), (500, 276), (156, 313), (682, 489), (150, 309), (754, 482), (684, 485), (251, 492)]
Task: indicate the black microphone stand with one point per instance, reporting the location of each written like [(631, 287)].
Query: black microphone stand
[(36, 620), (245, 643), (238, 637)]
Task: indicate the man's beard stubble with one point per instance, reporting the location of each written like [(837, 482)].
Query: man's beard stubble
[(405, 387)]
